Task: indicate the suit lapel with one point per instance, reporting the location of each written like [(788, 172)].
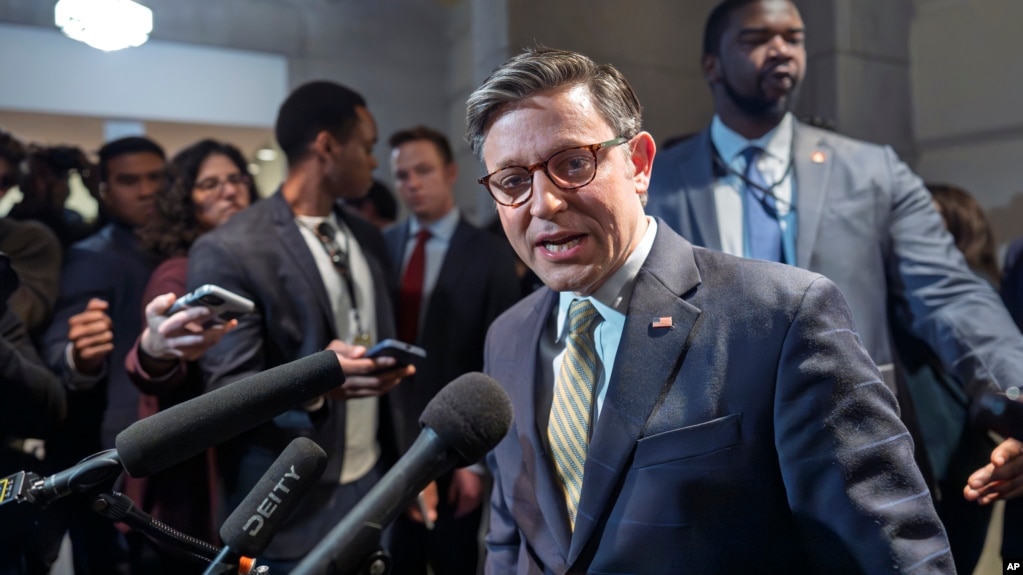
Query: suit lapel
[(813, 160), (298, 251), (397, 254), (455, 261), (528, 410), (698, 170), (638, 378)]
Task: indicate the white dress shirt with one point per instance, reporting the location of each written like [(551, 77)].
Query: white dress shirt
[(773, 163)]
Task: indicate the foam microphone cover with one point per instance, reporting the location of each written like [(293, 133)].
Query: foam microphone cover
[(471, 415), (175, 434), (257, 518)]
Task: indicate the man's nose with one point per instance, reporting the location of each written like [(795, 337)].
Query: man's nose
[(547, 198)]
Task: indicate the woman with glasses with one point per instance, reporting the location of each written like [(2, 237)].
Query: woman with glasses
[(209, 184)]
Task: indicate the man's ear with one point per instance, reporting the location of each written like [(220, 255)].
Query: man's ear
[(643, 151), (324, 143), (711, 66)]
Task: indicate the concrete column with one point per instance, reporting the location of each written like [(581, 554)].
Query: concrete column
[(858, 71)]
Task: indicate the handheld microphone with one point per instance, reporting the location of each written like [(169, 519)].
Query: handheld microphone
[(255, 521), (175, 434), (464, 421)]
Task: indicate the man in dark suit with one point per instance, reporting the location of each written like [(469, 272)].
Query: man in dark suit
[(318, 276), (95, 323), (454, 280), (760, 184), (677, 410)]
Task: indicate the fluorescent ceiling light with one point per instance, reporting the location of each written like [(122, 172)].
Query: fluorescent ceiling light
[(106, 25)]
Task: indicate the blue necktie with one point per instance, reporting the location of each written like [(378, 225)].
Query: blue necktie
[(761, 232)]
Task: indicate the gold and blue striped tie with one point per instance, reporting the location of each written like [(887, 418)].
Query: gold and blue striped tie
[(569, 425)]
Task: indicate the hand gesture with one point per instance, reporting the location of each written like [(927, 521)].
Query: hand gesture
[(92, 337), (1000, 479)]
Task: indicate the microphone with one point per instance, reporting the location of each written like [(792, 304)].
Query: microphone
[(465, 420), (255, 521), (996, 411), (175, 434)]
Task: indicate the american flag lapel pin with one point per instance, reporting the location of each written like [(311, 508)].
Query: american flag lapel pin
[(818, 157), (662, 322)]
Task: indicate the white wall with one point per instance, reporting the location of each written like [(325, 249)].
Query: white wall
[(157, 81), (968, 101)]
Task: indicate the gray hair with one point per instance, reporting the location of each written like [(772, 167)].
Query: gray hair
[(539, 69)]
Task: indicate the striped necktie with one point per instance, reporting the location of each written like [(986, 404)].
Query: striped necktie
[(569, 427)]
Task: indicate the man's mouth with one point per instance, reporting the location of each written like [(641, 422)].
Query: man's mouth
[(780, 79), (563, 244)]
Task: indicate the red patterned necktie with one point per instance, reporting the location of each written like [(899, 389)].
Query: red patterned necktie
[(411, 295)]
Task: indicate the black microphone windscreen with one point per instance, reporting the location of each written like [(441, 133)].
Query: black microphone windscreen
[(175, 434), (471, 414), (255, 521)]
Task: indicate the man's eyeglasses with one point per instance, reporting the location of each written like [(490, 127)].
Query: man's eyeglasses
[(569, 169), (214, 183)]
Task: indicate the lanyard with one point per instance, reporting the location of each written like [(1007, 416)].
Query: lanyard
[(789, 218), (723, 168), (325, 232)]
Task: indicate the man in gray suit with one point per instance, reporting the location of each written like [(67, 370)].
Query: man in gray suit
[(760, 184)]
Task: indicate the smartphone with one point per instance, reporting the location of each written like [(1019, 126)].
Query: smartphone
[(403, 353), (223, 304)]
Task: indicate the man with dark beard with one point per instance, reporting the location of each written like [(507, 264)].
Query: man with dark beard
[(760, 184)]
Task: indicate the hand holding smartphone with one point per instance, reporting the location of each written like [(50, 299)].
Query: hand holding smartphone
[(223, 304), (403, 353)]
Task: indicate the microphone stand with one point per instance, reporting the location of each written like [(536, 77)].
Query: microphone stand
[(120, 508), (97, 473)]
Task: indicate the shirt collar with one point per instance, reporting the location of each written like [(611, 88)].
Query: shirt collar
[(612, 298), (730, 144), (443, 228)]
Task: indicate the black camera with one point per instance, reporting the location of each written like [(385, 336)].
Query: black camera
[(64, 159)]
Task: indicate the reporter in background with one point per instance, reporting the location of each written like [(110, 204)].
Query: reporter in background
[(34, 250), (209, 184), (33, 406), (317, 274), (95, 323), (45, 189)]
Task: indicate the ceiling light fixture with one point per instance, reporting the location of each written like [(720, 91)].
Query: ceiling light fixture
[(106, 25)]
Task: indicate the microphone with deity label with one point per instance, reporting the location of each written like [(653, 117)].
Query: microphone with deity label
[(252, 525)]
